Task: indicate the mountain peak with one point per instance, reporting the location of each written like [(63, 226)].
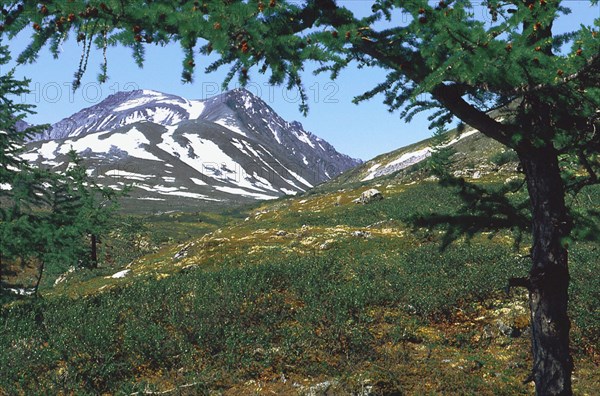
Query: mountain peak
[(123, 96), (150, 92), (237, 95), (126, 108)]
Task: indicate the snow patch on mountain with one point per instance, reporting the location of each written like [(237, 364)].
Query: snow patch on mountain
[(261, 182), (52, 164), (138, 102), (303, 137), (130, 142), (230, 124), (245, 148), (289, 192), (408, 159), (174, 191), (48, 150), (210, 154), (194, 109), (198, 181), (31, 157), (244, 193), (118, 173)]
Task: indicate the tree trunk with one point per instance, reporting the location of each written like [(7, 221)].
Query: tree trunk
[(549, 275), (39, 279), (94, 251)]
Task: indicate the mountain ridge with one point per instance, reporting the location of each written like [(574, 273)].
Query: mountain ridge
[(232, 148)]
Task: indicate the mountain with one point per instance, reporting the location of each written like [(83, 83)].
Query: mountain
[(21, 125), (125, 108), (179, 153)]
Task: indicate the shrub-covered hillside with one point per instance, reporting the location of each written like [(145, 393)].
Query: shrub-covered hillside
[(308, 295)]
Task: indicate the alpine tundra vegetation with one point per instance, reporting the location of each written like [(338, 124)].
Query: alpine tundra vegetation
[(510, 76)]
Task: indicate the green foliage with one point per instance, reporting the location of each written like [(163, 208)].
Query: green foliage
[(88, 207), (233, 317), (584, 291), (18, 183), (22, 191), (11, 114), (43, 217), (504, 157), (129, 239), (243, 320), (440, 160)]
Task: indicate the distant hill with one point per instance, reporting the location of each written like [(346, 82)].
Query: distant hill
[(475, 156)]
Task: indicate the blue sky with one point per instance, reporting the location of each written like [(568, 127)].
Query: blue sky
[(362, 131)]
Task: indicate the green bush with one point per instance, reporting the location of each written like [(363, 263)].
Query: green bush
[(504, 157), (241, 318)]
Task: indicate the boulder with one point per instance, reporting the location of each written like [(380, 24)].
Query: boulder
[(338, 200), (183, 252), (361, 234), (369, 196)]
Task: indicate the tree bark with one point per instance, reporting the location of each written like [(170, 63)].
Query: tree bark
[(549, 274)]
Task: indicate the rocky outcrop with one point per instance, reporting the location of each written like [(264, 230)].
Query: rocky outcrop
[(369, 196)]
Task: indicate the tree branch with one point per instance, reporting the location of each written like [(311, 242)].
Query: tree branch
[(589, 70), (451, 98), (519, 282)]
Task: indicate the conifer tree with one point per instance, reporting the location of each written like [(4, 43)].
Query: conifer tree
[(44, 217), (13, 169), (90, 207), (439, 56), (30, 229), (20, 186)]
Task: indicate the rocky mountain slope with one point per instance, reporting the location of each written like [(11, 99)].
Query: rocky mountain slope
[(475, 156), (181, 153)]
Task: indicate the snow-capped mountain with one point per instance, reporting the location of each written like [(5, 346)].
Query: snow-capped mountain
[(229, 148), (125, 108)]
